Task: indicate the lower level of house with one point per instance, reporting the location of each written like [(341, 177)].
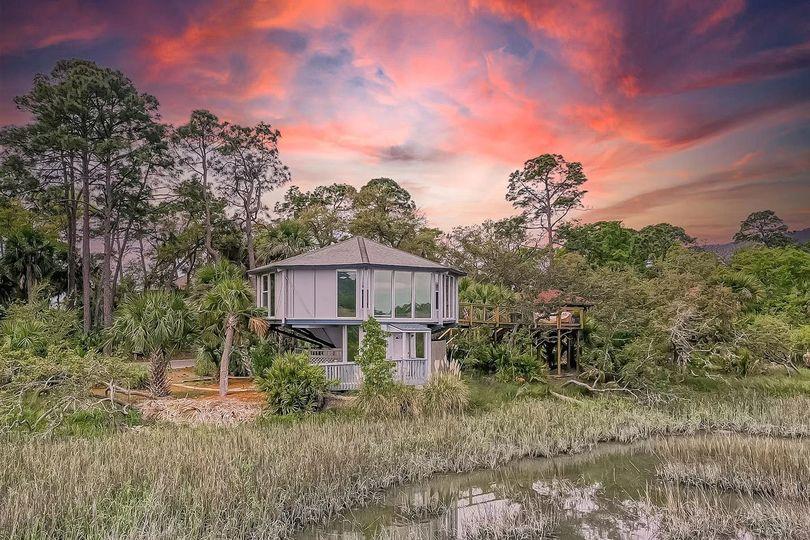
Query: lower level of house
[(335, 347)]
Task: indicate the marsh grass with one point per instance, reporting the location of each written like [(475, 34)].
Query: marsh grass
[(265, 481), (746, 465), (705, 513)]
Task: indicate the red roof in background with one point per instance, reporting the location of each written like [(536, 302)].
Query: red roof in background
[(548, 295), (553, 295)]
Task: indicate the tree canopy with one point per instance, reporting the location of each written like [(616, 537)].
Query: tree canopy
[(764, 227), (546, 190)]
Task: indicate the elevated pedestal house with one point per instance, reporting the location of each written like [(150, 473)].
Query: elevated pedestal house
[(322, 298)]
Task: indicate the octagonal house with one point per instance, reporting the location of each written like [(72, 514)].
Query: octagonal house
[(322, 297)]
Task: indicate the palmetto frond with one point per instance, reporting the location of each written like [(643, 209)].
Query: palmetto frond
[(155, 321), (258, 325)]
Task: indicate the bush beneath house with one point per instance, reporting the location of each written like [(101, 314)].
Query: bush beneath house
[(397, 401), (445, 394), (262, 355), (511, 360), (378, 371), (293, 385)]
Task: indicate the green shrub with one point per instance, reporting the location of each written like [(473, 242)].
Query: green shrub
[(262, 355), (35, 326), (293, 385), (205, 364), (378, 372), (520, 366), (768, 339), (398, 401), (800, 343), (445, 394), (513, 359), (134, 375)]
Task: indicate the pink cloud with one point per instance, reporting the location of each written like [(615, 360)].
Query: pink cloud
[(449, 97)]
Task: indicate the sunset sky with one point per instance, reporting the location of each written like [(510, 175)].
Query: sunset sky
[(694, 113)]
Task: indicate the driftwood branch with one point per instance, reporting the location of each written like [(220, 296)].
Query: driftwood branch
[(113, 389), (590, 388), (204, 389), (565, 398)]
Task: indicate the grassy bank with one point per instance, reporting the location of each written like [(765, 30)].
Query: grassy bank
[(768, 480), (264, 481)]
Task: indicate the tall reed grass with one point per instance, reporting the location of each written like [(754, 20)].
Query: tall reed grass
[(706, 514), (746, 465), (267, 481)]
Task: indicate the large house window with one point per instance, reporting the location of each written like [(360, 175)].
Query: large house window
[(421, 295), (267, 294), (347, 293), (402, 294), (382, 293)]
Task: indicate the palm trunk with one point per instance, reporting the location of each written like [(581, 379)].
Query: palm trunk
[(230, 329), (159, 365)]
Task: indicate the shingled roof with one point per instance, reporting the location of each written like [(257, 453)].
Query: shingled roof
[(357, 251)]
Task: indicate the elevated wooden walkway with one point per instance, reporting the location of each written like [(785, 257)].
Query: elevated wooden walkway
[(470, 315), (557, 334)]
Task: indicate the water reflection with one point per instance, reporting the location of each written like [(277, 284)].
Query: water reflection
[(583, 496)]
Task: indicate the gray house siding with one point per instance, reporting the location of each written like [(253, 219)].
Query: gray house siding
[(413, 297)]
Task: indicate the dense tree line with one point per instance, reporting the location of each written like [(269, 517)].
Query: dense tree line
[(99, 198), (103, 207)]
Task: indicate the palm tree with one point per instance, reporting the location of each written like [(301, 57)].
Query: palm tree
[(476, 292), (28, 258), (285, 239), (155, 324), (228, 303), (210, 274)]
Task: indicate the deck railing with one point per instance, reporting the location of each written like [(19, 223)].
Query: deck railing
[(411, 371), (349, 375)]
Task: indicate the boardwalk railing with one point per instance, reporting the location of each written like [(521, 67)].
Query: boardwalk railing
[(478, 314), (470, 314)]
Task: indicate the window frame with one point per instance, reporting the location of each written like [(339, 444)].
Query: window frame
[(429, 295), (394, 305), (347, 359), (390, 314), (267, 293), (270, 295), (356, 273)]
